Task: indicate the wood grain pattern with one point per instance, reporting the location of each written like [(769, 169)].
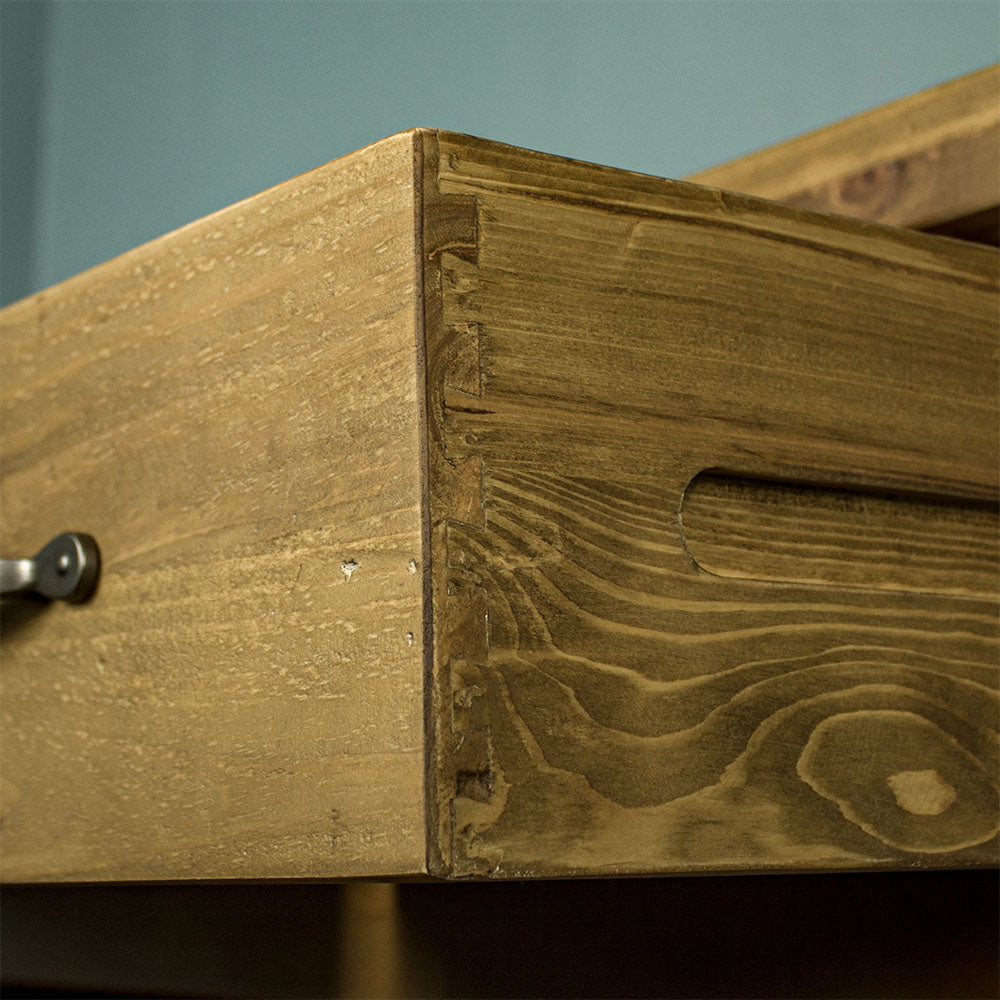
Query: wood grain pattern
[(928, 161), (232, 412), (604, 705), (810, 534), (392, 468)]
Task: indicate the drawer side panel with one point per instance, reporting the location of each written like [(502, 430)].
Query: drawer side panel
[(606, 704)]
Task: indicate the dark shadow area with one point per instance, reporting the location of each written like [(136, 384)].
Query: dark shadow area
[(872, 935), (18, 612), (980, 227), (844, 935), (169, 940)]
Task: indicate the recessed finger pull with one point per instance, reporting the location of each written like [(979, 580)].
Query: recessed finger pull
[(64, 570)]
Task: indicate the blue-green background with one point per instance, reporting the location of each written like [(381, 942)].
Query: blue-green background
[(122, 120)]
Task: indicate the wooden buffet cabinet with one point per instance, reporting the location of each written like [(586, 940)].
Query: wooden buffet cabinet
[(466, 511)]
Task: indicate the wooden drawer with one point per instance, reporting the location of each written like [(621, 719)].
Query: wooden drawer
[(470, 511)]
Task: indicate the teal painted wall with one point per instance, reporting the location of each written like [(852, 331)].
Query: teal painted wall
[(123, 120)]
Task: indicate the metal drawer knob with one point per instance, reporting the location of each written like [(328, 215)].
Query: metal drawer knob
[(65, 570)]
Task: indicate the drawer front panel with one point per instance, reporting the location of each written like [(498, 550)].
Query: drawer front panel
[(230, 411)]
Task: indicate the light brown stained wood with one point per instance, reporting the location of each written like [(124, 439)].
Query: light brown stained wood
[(232, 412), (388, 468), (928, 161), (606, 706)]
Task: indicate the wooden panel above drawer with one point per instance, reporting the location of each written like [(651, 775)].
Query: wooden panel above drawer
[(929, 161)]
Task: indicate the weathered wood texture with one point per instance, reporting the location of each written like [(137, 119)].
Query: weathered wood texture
[(232, 412), (396, 473), (809, 534), (929, 161), (605, 705)]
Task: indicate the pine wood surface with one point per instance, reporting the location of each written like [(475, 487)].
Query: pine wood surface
[(786, 532), (928, 161), (230, 411), (392, 471), (605, 705)]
